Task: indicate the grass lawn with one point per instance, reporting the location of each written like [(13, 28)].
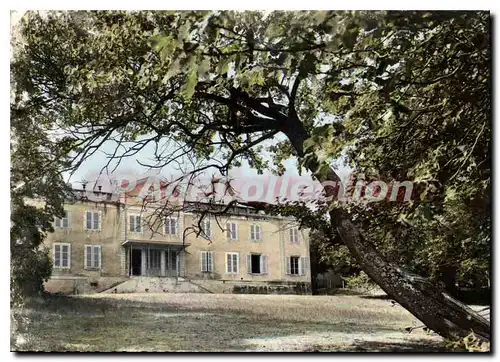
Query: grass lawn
[(221, 322)]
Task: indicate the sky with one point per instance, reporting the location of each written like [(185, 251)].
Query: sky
[(247, 184), (91, 167)]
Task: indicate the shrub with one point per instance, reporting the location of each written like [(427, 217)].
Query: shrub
[(29, 270), (360, 281)]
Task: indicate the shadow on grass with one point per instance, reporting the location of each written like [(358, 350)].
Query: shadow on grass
[(390, 347), (62, 323), (379, 297)]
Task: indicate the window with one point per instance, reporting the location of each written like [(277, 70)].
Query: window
[(149, 194), (65, 222), (206, 228), (293, 265), (62, 256), (92, 257), (171, 226), (294, 235), (135, 224), (232, 263), (232, 231), (297, 265), (257, 264), (207, 261), (255, 232), (93, 220)]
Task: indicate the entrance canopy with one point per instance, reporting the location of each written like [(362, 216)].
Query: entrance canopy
[(154, 258), (136, 242)]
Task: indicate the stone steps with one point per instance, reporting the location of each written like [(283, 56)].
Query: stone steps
[(156, 285)]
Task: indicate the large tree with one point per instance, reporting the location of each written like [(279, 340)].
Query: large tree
[(37, 192), (38, 154), (218, 86)]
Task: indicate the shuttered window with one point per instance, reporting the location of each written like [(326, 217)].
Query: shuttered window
[(93, 257), (296, 265), (263, 264), (171, 226), (293, 265), (255, 232), (65, 222), (206, 228), (135, 225), (232, 263), (207, 261), (62, 255), (294, 235), (303, 266), (249, 264), (93, 220), (232, 231), (257, 264)]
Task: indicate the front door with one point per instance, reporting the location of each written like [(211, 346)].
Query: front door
[(136, 261), (172, 265)]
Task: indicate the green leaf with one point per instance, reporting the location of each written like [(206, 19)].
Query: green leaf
[(323, 170), (309, 143), (166, 45), (223, 65), (192, 81), (320, 16), (204, 68)]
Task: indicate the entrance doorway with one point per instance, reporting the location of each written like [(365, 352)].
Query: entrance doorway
[(255, 260), (172, 263), (136, 261)]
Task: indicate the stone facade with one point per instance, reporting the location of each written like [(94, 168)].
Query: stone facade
[(274, 244), (261, 249), (107, 236)]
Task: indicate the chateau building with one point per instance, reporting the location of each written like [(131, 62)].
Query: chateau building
[(124, 238)]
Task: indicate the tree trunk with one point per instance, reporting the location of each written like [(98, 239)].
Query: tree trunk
[(313, 257), (448, 275), (436, 309)]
